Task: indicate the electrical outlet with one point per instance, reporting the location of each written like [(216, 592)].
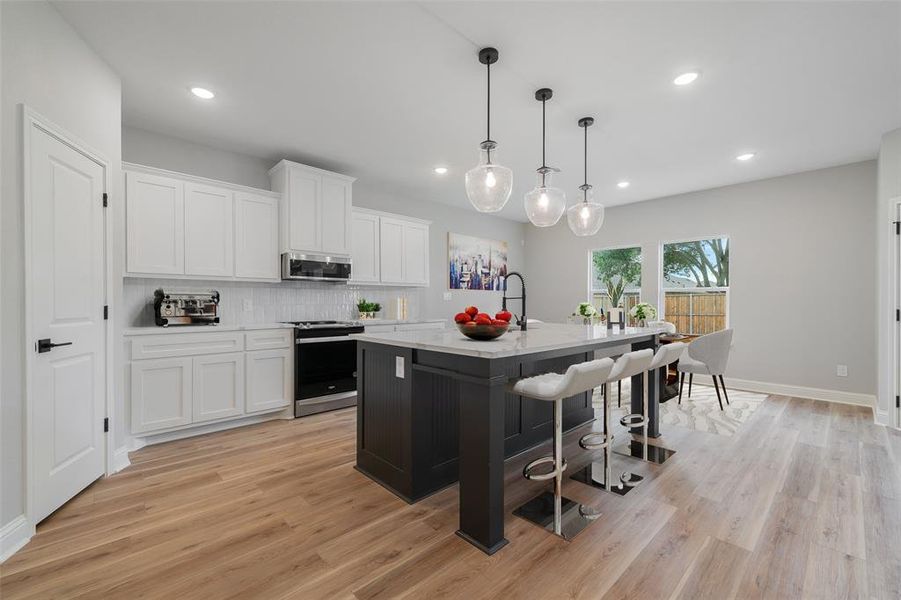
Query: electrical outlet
[(841, 370), (248, 305), (448, 296), (399, 367)]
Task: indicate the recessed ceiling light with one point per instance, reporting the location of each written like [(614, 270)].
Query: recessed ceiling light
[(745, 156), (623, 185), (441, 170), (203, 93), (686, 78)]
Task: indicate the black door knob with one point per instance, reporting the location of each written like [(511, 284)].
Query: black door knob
[(46, 345)]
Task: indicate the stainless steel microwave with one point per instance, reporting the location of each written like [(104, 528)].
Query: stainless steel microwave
[(316, 267)]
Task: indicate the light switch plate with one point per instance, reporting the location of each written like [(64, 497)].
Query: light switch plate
[(399, 367), (841, 370), (448, 296)]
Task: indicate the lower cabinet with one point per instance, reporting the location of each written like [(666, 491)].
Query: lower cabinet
[(161, 393), (198, 383), (270, 379), (218, 386)]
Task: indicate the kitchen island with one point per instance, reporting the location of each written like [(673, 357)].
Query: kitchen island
[(433, 408)]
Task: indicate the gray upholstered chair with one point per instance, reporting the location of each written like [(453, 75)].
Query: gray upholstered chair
[(707, 355), (666, 325)]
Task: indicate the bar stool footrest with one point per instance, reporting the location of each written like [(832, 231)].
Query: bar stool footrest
[(544, 460), (586, 440), (633, 420)]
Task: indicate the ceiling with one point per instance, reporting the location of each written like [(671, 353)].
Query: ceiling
[(386, 91)]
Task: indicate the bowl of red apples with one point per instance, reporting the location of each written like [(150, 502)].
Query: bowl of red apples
[(482, 326)]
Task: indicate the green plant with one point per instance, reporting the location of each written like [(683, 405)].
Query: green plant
[(586, 309), (615, 288), (643, 312), (368, 307)]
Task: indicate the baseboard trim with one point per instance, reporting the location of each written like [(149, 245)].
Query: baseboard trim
[(797, 391), (14, 535), (120, 459), (181, 434)]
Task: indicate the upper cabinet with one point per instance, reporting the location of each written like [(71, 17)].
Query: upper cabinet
[(389, 249), (190, 227), (315, 208)]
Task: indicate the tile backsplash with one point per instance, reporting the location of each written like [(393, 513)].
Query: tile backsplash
[(271, 302)]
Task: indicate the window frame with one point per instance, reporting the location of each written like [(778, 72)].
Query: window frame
[(661, 289)]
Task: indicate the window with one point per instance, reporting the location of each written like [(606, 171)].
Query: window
[(615, 265), (695, 285)]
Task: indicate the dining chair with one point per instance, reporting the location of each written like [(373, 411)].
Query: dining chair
[(666, 325), (707, 355)]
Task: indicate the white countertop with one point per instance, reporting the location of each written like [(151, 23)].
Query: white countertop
[(154, 330), (399, 321), (539, 338)]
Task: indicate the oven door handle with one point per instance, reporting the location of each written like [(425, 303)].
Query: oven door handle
[(331, 338)]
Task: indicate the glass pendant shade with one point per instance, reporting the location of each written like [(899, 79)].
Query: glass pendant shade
[(586, 217), (489, 184), (544, 203)]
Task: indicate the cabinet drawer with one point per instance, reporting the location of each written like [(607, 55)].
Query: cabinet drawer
[(185, 344), (269, 339)]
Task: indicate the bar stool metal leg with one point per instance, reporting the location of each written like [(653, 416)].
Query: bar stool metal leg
[(642, 450), (553, 511)]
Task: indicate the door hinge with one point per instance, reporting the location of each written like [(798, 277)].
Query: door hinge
[(105, 200), (105, 424), (897, 401), (105, 312), (897, 227), (898, 314)]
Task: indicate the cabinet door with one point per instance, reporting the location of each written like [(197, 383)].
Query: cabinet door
[(218, 386), (256, 236), (336, 215), (160, 394), (416, 254), (391, 250), (209, 231), (304, 211), (365, 248), (270, 379), (155, 224)]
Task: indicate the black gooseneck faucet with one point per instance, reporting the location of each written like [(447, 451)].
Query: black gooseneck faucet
[(521, 321)]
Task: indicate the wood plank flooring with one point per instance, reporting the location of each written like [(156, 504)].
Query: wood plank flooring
[(804, 501)]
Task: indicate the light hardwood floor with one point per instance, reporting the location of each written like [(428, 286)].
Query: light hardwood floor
[(803, 502)]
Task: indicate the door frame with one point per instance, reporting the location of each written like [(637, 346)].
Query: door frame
[(32, 120), (894, 277)]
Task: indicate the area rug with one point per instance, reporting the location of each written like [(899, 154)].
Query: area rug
[(701, 412)]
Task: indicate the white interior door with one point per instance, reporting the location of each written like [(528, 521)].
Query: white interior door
[(897, 321), (66, 303)]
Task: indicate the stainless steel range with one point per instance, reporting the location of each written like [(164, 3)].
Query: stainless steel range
[(325, 359)]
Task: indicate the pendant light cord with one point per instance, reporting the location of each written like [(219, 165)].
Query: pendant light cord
[(543, 129), (488, 113), (585, 191)]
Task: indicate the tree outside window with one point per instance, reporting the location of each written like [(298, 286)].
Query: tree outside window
[(616, 264), (696, 285)]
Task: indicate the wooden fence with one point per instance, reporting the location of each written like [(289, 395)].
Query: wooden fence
[(696, 312)]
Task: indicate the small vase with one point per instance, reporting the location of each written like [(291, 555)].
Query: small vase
[(642, 322)]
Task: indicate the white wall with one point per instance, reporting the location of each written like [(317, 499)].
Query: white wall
[(889, 192), (802, 270), (48, 67), (155, 150)]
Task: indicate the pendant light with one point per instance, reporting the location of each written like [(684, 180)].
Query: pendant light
[(544, 204), (586, 217), (489, 184)]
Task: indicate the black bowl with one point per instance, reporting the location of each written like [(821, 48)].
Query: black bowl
[(482, 332)]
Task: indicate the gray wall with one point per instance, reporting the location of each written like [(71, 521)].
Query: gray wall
[(48, 67), (155, 150), (889, 192), (802, 270)]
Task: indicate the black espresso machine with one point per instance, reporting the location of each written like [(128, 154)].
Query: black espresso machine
[(186, 308)]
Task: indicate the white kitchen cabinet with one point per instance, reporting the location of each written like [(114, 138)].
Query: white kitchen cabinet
[(161, 391), (315, 209), (155, 222), (404, 251), (187, 227), (270, 379), (256, 237), (416, 254), (209, 231), (218, 390), (365, 248)]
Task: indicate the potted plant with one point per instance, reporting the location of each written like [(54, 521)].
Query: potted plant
[(586, 314), (643, 312), (368, 309), (615, 288)]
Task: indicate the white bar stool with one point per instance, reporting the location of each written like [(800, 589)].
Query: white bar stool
[(553, 512), (596, 474), (666, 354)]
